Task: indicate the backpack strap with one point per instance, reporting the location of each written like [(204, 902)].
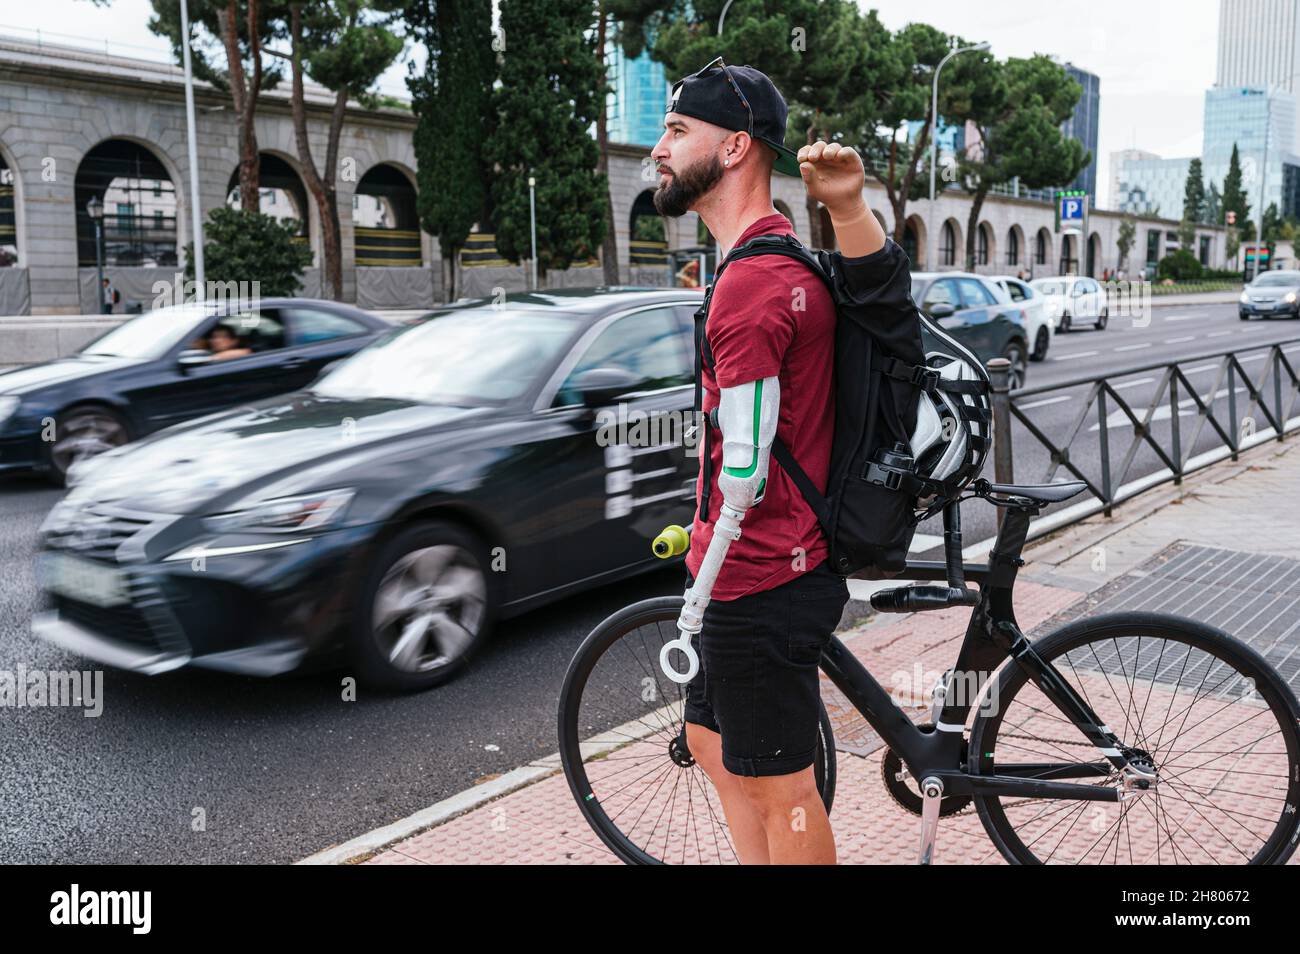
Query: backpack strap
[(790, 247)]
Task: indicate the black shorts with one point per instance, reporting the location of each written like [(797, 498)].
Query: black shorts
[(757, 684)]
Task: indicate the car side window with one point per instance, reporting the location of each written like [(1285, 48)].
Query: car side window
[(242, 334), (651, 344), (1017, 291), (309, 325), (974, 294), (941, 292)]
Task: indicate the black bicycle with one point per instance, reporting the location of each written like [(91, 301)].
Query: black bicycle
[(1127, 738)]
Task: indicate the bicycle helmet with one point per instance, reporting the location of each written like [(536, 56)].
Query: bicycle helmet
[(953, 423)]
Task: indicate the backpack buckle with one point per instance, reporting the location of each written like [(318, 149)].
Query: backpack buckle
[(926, 378)]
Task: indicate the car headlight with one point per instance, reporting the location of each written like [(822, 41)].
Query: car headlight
[(1245, 299), (8, 405), (1290, 298), (284, 514)]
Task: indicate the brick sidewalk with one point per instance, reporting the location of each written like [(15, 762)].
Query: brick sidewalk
[(1241, 506)]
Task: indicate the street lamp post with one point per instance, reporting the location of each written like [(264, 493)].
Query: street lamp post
[(934, 146), (532, 224), (196, 213), (95, 209)]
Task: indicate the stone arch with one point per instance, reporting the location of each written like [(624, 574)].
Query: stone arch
[(1094, 254), (281, 177), (13, 235), (647, 232), (385, 218), (1042, 255), (141, 189), (1068, 263), (1016, 251), (986, 246), (950, 248), (914, 241)]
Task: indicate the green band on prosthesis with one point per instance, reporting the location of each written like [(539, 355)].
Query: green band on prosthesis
[(753, 464)]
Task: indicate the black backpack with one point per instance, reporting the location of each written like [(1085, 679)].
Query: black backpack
[(868, 513)]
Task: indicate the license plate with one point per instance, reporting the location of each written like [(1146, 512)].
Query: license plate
[(82, 580)]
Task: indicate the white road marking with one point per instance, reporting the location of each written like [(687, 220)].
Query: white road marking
[(1132, 384), (1186, 317), (1043, 402), (1118, 418), (1218, 334), (1135, 347), (1180, 340), (1081, 354)]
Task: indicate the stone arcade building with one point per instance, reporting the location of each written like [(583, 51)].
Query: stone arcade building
[(76, 124)]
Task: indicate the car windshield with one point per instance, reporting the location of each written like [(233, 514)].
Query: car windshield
[(469, 357), (1281, 278), (151, 335)]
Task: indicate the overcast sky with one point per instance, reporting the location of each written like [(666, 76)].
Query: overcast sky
[(1155, 57)]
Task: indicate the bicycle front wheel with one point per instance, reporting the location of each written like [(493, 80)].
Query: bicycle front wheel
[(1205, 713), (623, 746)]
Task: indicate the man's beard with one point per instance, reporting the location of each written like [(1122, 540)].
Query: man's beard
[(686, 186)]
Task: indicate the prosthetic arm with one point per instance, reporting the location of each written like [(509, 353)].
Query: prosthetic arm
[(747, 417)]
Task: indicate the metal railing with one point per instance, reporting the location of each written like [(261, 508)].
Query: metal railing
[(1273, 395)]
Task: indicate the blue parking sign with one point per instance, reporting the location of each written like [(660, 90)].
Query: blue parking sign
[(1072, 209)]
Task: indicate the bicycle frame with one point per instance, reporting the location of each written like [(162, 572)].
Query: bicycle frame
[(940, 752)]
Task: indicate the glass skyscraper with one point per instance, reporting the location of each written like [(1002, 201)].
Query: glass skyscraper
[(1082, 125), (640, 96), (1240, 115)]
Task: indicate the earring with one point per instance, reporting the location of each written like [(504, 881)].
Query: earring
[(726, 162)]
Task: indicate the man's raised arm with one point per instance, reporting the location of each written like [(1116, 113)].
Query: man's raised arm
[(834, 176)]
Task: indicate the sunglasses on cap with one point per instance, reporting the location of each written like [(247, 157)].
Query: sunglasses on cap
[(717, 63)]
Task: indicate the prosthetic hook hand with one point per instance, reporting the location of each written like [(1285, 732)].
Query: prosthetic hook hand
[(747, 417)]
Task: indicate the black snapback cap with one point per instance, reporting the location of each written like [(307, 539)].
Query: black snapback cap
[(739, 98)]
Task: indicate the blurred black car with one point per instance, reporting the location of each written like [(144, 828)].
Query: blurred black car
[(158, 369), (1271, 294), (454, 472), (970, 308)]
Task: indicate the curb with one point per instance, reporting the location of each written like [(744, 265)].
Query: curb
[(372, 842)]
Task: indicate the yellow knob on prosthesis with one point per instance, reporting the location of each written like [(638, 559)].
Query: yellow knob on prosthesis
[(673, 541)]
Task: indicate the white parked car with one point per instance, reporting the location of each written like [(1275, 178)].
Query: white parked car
[(1072, 299), (1040, 328)]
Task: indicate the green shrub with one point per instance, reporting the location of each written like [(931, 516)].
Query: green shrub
[(241, 246), (1181, 266)]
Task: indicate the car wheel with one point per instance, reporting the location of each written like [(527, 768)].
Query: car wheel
[(1041, 341), (1065, 322), (426, 608), (1014, 352), (1243, 316), (1102, 319), (82, 433)]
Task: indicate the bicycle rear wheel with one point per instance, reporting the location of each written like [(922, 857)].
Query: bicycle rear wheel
[(622, 746), (1210, 716)]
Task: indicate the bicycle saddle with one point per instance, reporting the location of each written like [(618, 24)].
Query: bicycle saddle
[(1039, 493)]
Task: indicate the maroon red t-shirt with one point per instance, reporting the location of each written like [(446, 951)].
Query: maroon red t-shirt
[(771, 316)]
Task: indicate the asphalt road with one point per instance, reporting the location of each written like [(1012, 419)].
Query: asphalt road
[(1167, 334), (198, 767)]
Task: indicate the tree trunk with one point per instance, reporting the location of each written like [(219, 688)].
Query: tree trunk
[(972, 224), (322, 188), (815, 237), (244, 99), (609, 245)]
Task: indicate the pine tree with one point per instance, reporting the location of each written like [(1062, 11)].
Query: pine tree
[(545, 109), (452, 103), (1234, 196)]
